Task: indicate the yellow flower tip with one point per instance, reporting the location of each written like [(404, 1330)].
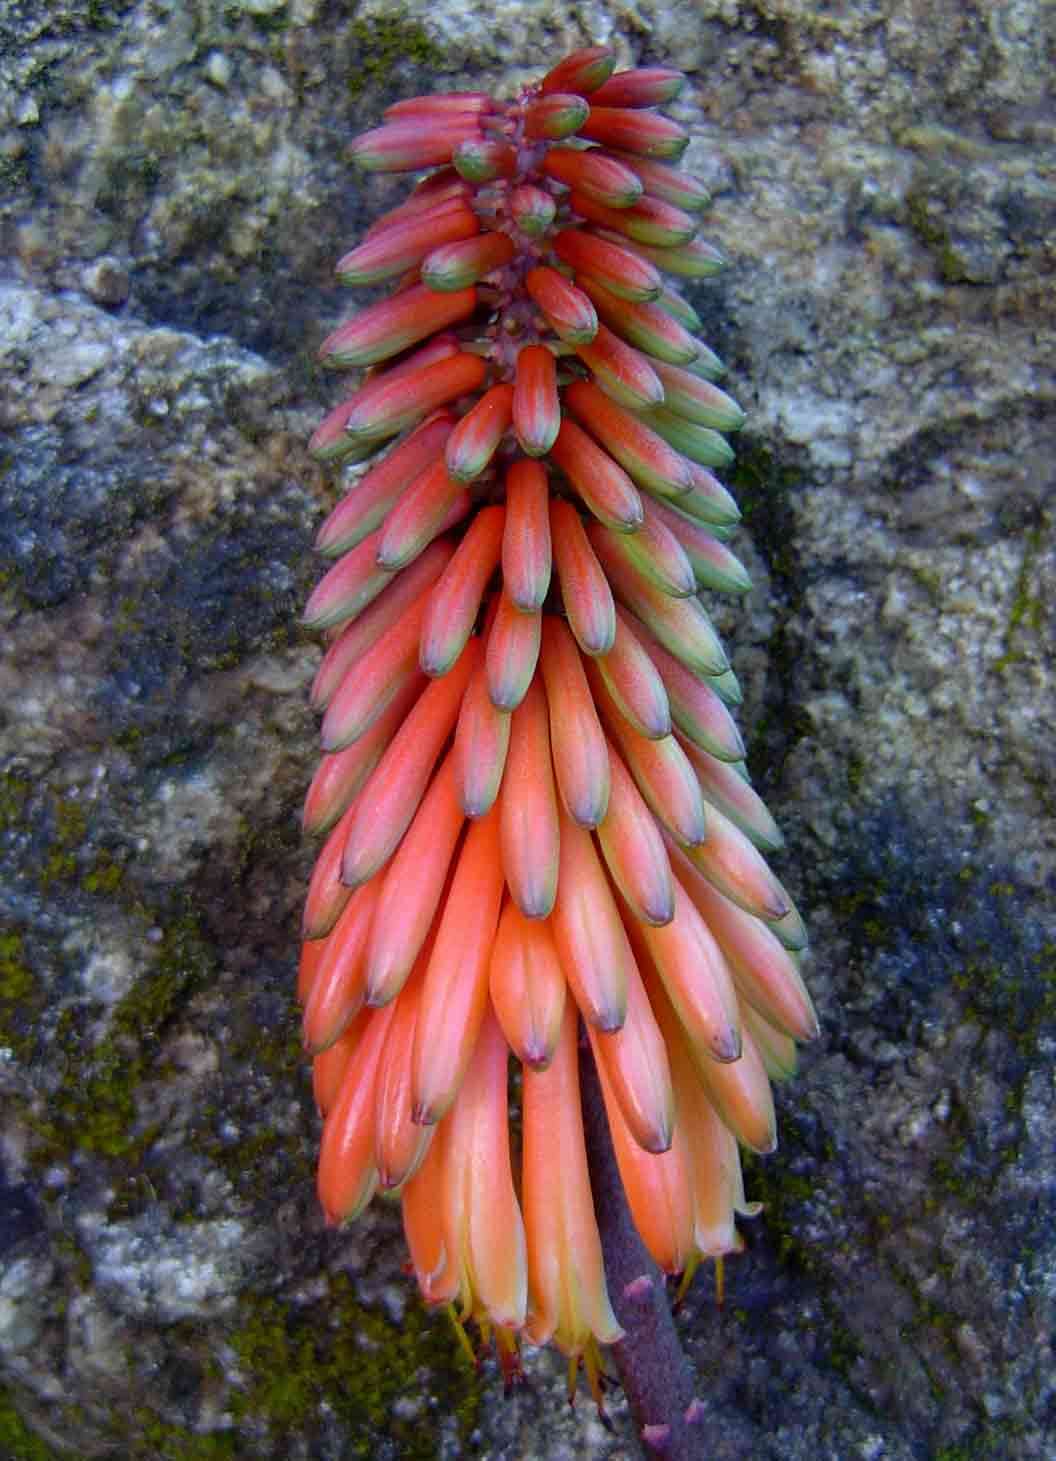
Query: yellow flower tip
[(595, 1372), (465, 1344), (720, 1281), (688, 1275)]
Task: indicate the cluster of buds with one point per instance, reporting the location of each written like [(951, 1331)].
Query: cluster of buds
[(540, 826)]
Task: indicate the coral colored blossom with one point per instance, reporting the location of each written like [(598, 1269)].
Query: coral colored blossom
[(540, 831)]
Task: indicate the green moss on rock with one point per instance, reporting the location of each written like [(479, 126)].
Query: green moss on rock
[(160, 1441), (16, 979), (1027, 613), (14, 793), (21, 998), (387, 41), (17, 1441), (764, 488), (359, 1362), (94, 1110)]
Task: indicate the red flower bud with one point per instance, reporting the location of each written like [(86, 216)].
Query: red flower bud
[(644, 454), (405, 244), (663, 181), (647, 86), (536, 408), (441, 105), (387, 405), (649, 221), (600, 178), (532, 209), (568, 310), (475, 439), (454, 266), (391, 325), (481, 159), (604, 487), (526, 549), (643, 324), (621, 371), (646, 134), (621, 271), (581, 72), (555, 116), (406, 145)]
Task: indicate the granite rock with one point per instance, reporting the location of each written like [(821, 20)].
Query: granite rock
[(174, 188)]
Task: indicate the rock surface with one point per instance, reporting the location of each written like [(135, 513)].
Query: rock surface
[(173, 191)]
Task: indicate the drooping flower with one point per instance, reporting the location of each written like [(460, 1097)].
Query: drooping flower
[(537, 813)]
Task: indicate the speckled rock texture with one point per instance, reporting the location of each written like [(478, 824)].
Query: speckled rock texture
[(173, 191)]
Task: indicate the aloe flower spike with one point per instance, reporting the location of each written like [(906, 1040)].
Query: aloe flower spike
[(535, 814)]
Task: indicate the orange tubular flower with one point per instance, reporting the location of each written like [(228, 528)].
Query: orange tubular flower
[(462, 1216), (540, 832), (566, 1276)]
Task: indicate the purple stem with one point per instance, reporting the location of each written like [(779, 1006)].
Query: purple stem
[(656, 1376)]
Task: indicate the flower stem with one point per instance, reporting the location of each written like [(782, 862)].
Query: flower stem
[(657, 1378)]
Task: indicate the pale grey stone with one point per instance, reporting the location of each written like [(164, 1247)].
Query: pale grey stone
[(174, 193)]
